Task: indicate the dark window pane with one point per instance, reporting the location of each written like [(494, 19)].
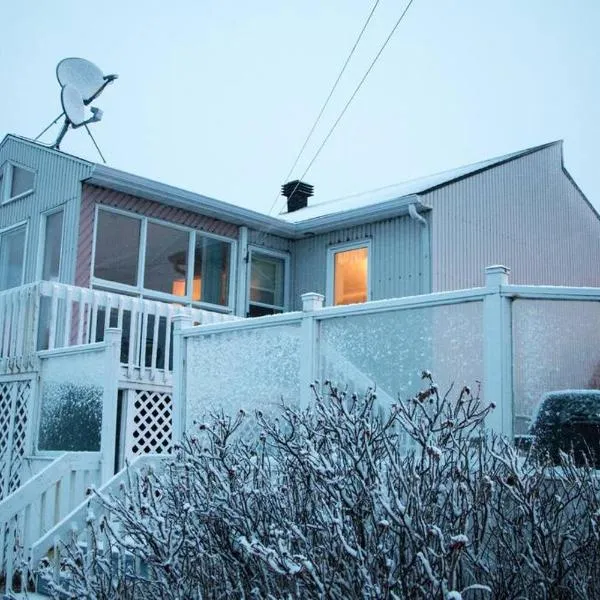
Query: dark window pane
[(12, 252), (211, 271), (166, 259), (261, 311), (22, 181), (267, 279), (117, 247), (53, 237)]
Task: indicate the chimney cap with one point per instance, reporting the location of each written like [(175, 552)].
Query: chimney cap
[(297, 187), (297, 193)]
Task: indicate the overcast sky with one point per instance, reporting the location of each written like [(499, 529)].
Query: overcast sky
[(217, 97)]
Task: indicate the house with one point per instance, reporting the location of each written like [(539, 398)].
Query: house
[(103, 273), (71, 221)]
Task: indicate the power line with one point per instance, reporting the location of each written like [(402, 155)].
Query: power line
[(333, 88), (360, 83)]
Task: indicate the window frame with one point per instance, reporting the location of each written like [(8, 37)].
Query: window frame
[(6, 230), (7, 172), (286, 277), (143, 292), (344, 247), (42, 243)]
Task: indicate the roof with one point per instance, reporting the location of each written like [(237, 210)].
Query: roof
[(399, 191), (366, 207)]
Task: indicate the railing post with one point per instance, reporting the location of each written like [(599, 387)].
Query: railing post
[(497, 351), (112, 339), (311, 302), (180, 324)]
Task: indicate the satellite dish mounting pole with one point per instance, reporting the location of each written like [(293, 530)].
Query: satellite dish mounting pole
[(61, 135)]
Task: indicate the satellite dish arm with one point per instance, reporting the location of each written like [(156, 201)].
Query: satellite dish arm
[(107, 80)]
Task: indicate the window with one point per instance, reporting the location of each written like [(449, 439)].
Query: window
[(18, 182), (52, 246), (267, 284), (349, 269), (165, 268), (117, 247), (174, 261), (211, 271), (12, 257)]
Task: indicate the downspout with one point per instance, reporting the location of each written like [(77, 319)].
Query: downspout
[(412, 211), (425, 274)]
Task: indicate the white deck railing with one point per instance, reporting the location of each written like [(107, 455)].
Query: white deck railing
[(74, 526), (39, 505), (46, 316)]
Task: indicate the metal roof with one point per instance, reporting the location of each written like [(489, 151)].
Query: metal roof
[(394, 193)]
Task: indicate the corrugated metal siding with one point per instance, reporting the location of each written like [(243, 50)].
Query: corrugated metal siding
[(526, 215), (273, 242), (93, 195), (399, 262), (57, 182)]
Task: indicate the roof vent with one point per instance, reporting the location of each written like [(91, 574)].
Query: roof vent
[(297, 193)]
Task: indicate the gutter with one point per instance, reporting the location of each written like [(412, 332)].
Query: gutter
[(135, 185)]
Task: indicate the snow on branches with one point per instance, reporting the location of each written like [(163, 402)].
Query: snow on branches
[(327, 502)]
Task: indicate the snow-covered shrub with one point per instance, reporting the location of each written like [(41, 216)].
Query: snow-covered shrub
[(326, 503), (569, 420)]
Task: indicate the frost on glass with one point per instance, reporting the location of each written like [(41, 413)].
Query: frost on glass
[(390, 350), (555, 347), (249, 370), (71, 402)]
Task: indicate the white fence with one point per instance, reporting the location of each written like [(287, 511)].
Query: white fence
[(517, 342)]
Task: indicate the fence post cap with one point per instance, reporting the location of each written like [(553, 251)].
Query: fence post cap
[(312, 301), (496, 275)]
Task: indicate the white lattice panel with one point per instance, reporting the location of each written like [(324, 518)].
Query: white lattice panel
[(14, 397), (149, 423)]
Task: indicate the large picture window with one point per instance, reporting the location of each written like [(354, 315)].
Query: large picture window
[(349, 274), (267, 284), (12, 257), (161, 260)]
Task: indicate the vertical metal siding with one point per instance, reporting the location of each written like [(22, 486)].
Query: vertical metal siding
[(57, 182), (525, 214), (93, 195), (398, 265)]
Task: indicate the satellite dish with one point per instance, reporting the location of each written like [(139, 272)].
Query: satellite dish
[(81, 82), (84, 76), (73, 106)]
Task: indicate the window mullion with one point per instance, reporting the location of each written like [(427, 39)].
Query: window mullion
[(142, 253), (191, 262)]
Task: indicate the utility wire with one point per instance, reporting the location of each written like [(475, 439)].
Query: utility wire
[(360, 83), (333, 88)]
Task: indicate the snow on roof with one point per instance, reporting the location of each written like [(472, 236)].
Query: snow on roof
[(398, 190)]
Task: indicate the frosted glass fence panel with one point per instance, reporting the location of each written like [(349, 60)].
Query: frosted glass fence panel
[(556, 346), (71, 405), (249, 369), (391, 349)]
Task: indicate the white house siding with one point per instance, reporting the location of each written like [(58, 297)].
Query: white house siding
[(57, 183), (399, 259), (525, 214)]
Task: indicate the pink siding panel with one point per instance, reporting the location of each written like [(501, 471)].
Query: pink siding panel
[(92, 195)]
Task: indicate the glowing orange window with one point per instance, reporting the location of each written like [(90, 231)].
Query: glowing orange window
[(350, 276)]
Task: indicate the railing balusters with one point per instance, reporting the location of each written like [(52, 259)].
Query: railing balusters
[(68, 317), (81, 312)]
